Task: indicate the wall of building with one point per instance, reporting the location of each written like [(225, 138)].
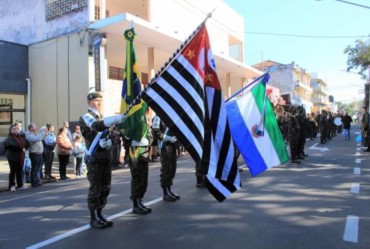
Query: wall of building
[(59, 90), (185, 16), (16, 17), (282, 78)]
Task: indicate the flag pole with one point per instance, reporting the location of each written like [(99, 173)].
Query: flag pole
[(249, 84), (171, 59)]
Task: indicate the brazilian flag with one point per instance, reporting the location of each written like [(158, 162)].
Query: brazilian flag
[(135, 125)]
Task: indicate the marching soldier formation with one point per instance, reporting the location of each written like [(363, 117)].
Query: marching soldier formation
[(296, 126)]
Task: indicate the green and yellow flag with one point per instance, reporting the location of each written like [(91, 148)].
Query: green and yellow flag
[(135, 125)]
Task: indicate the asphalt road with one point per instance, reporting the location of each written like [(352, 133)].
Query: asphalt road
[(321, 203)]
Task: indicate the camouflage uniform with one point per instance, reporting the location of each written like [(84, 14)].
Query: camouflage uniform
[(323, 127), (138, 163), (303, 131), (99, 171), (294, 136), (168, 152), (365, 128)]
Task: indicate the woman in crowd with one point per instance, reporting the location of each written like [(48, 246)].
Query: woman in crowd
[(79, 152), (15, 146), (64, 150)]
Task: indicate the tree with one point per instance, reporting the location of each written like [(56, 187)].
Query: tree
[(359, 56), (352, 108)]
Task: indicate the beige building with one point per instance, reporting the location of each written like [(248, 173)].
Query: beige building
[(63, 69), (320, 97)]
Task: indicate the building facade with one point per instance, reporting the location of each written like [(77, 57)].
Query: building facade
[(64, 65), (320, 96), (292, 80)]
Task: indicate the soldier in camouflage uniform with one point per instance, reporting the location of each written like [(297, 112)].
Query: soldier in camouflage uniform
[(331, 126), (365, 128), (98, 159), (138, 163), (293, 135), (323, 127), (168, 150), (303, 131)]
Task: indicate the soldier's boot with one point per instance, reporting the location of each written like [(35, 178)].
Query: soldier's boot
[(137, 209), (167, 196), (108, 223), (176, 196), (201, 182), (143, 206), (95, 222)]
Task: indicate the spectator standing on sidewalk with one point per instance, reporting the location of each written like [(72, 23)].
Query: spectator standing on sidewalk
[(15, 147), (64, 150), (79, 149), (35, 153), (49, 145)]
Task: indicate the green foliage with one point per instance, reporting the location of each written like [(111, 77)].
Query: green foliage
[(352, 108), (359, 56)]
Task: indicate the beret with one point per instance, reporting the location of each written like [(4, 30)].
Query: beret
[(94, 95)]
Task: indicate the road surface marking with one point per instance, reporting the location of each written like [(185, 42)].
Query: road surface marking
[(355, 189), (84, 228), (357, 171), (358, 160), (351, 229)]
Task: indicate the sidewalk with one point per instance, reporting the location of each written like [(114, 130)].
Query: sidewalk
[(4, 173)]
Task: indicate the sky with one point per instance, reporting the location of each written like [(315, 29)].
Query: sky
[(297, 24)]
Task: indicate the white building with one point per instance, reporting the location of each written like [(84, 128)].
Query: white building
[(292, 80)]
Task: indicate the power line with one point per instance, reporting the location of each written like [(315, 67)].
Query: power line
[(308, 36), (356, 4)]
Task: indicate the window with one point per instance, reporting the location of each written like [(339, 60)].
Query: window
[(57, 8), (116, 73)]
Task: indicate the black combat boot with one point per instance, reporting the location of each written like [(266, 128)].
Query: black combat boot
[(95, 221), (295, 161), (137, 209), (176, 196), (201, 182), (167, 196), (143, 206), (108, 223)]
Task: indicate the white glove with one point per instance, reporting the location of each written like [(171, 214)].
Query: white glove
[(105, 143), (112, 120), (169, 139)]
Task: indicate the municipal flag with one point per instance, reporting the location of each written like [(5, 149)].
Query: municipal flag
[(255, 129)]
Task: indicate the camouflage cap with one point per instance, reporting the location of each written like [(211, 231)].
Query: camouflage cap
[(93, 95)]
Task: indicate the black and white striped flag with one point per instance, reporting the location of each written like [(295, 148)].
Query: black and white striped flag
[(187, 96)]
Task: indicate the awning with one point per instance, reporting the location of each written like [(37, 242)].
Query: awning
[(151, 36)]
